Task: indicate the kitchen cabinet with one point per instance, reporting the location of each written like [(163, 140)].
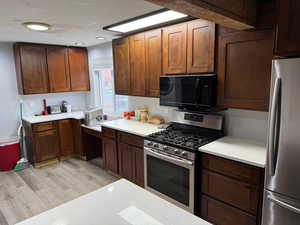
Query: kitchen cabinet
[(31, 68), (288, 33), (201, 47), (66, 138), (231, 191), (110, 154), (137, 65), (139, 166), (50, 69), (126, 161), (58, 69), (79, 72), (174, 49), (122, 66), (244, 69), (237, 14), (49, 142), (153, 50)]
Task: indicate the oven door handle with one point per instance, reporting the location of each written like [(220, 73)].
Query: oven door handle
[(162, 156)]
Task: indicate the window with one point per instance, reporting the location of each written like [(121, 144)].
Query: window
[(105, 96)]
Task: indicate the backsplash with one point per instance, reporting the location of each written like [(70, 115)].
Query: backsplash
[(33, 104), (239, 123)]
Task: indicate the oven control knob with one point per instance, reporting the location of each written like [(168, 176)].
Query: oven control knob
[(183, 153), (165, 148), (150, 144), (155, 145), (176, 151)]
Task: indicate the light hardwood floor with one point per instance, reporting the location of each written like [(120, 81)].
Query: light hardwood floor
[(29, 192)]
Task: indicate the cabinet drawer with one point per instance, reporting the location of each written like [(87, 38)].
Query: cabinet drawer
[(92, 132), (240, 171), (131, 139), (108, 132), (219, 213), (38, 127), (233, 192)]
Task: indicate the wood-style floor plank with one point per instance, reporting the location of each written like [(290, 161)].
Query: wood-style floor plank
[(29, 192)]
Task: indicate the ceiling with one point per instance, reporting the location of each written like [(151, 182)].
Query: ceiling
[(72, 20)]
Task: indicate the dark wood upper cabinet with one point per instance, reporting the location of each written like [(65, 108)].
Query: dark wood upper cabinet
[(121, 66), (58, 69), (66, 138), (288, 33), (137, 65), (79, 72), (175, 49), (153, 45), (244, 69), (201, 47), (31, 67)]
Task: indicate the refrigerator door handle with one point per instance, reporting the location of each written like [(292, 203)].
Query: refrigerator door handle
[(284, 205), (274, 126)]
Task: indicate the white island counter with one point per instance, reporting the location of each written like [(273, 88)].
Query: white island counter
[(120, 203)]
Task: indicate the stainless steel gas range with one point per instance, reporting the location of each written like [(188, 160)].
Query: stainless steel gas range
[(171, 157)]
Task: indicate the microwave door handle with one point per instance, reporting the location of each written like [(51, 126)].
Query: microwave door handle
[(284, 204), (274, 127), (197, 87)]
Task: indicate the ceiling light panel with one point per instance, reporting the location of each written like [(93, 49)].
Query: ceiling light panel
[(159, 18), (37, 26)]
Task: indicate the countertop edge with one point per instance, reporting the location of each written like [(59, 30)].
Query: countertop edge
[(123, 130), (251, 163)]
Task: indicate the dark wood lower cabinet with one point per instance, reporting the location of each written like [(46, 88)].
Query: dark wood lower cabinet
[(139, 166), (46, 145), (110, 154), (66, 138), (231, 192), (219, 213), (126, 161)]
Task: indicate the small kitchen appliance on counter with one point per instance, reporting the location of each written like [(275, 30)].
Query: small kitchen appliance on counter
[(93, 117), (66, 107), (171, 156), (55, 109)]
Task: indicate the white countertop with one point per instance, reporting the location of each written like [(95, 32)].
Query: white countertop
[(120, 203), (129, 126), (238, 149), (53, 117)]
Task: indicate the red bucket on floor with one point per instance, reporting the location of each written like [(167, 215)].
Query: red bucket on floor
[(9, 154)]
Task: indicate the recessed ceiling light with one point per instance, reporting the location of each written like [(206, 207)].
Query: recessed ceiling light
[(37, 26), (150, 19), (100, 38), (78, 43)]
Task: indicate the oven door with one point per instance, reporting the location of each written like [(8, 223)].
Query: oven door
[(170, 178)]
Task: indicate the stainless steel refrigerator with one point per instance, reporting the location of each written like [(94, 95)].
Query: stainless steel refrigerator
[(282, 180)]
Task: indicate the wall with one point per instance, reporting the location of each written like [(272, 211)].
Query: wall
[(9, 112), (10, 99), (240, 123)]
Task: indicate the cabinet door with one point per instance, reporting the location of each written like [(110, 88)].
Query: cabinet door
[(137, 65), (121, 66), (201, 47), (138, 166), (32, 68), (153, 44), (126, 161), (46, 145), (109, 148), (79, 72), (66, 139), (219, 213), (58, 69), (244, 69), (238, 194), (288, 33), (174, 49)]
